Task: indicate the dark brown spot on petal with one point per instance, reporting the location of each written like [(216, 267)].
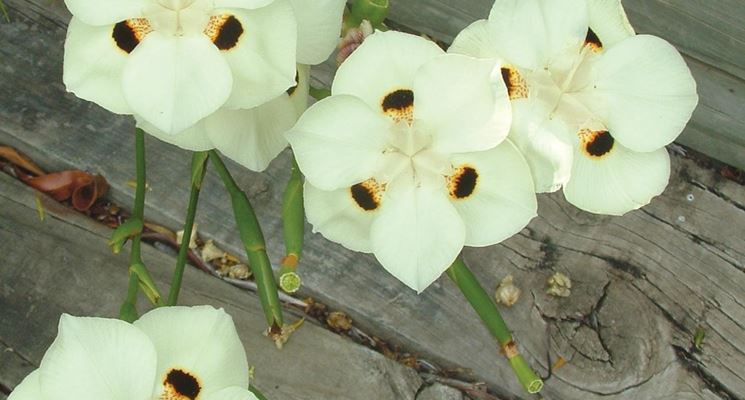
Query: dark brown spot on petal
[(593, 41), (596, 144), (224, 30), (463, 183), (517, 87), (128, 34), (399, 105), (367, 195), (180, 384), (292, 90)]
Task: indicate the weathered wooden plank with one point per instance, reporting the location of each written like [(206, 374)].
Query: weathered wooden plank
[(710, 35), (657, 280), (54, 266)]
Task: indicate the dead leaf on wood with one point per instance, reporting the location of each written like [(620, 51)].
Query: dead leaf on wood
[(20, 160), (82, 188)]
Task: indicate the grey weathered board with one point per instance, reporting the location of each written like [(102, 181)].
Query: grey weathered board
[(62, 264), (644, 282)]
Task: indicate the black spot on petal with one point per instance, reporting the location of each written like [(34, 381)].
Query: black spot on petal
[(600, 144), (125, 36), (593, 41), (183, 383), (399, 100), (463, 183), (229, 31), (366, 196)]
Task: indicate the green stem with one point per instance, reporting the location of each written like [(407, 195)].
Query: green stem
[(191, 212), (256, 392), (253, 241), (374, 11), (487, 310), (293, 224)]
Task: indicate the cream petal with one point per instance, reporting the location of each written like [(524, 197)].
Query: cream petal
[(620, 181), (300, 94), (253, 137), (463, 103), (263, 60), (201, 341), (319, 28), (249, 4), (173, 82), (195, 138), (338, 217), (477, 40), (232, 393), (643, 91), (97, 358), (339, 142), (495, 195), (106, 12), (93, 66), (530, 33), (28, 389), (418, 233), (384, 63), (609, 21)]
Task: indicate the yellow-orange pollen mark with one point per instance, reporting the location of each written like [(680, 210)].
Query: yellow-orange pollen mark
[(224, 31), (593, 41), (517, 86), (399, 105), (368, 194), (180, 385), (596, 144), (129, 33), (462, 184)]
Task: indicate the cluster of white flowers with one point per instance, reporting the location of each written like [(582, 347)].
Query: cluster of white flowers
[(202, 74), (410, 159), (174, 353)]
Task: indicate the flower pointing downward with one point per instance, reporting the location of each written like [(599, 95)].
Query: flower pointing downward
[(174, 353), (408, 158)]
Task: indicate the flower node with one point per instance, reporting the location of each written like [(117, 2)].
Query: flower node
[(224, 31), (128, 34), (463, 183), (596, 144), (399, 105), (593, 41), (517, 86), (367, 195), (180, 385)]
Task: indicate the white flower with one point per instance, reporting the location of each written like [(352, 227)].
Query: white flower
[(594, 104), (254, 137), (408, 158), (174, 62), (174, 353)]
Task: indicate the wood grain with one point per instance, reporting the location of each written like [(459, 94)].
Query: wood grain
[(643, 283), (62, 265)]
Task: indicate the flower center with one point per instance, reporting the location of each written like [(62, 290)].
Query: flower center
[(179, 17)]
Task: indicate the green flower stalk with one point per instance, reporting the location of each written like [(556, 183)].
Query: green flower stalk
[(253, 241), (486, 309), (198, 164), (374, 11), (293, 220), (256, 392), (138, 274)]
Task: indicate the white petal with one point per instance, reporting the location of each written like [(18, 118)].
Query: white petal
[(28, 389), (173, 82), (263, 61), (301, 93), (249, 4), (620, 182), (319, 28), (544, 144), (336, 216), (253, 137), (644, 92), (93, 66), (418, 233), (609, 21), (463, 103), (106, 12), (232, 393), (339, 142), (503, 200), (195, 138), (385, 62), (530, 33), (97, 358), (477, 40), (201, 340)]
